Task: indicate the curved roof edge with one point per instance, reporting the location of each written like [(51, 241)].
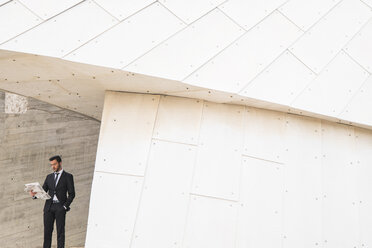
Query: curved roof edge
[(81, 87)]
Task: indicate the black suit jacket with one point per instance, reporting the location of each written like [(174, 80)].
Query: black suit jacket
[(65, 185)]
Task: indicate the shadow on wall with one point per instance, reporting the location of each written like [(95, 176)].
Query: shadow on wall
[(30, 132)]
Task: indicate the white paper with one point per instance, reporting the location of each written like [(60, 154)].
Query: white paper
[(36, 187)]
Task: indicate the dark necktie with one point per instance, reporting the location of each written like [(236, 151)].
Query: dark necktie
[(55, 178)]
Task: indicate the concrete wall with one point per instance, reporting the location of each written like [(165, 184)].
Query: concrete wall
[(178, 172), (27, 139)]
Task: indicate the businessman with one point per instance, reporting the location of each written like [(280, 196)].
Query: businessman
[(57, 184)]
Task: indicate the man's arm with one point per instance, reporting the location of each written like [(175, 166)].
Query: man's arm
[(45, 187), (70, 190)]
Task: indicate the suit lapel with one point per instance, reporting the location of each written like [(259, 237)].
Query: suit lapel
[(51, 180)]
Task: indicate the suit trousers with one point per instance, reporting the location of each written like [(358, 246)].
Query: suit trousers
[(58, 213)]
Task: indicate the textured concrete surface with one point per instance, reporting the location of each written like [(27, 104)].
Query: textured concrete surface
[(27, 140), (15, 104)]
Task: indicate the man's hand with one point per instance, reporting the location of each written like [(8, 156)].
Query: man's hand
[(32, 193)]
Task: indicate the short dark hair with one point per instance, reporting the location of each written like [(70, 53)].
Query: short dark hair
[(57, 157)]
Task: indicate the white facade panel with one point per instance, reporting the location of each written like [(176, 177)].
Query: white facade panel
[(360, 47), (208, 95), (130, 39), (11, 25), (303, 197), (218, 161), (49, 8), (63, 33), (368, 2), (126, 131), (340, 200), (260, 208), (122, 9), (210, 223), (281, 82), (332, 90), (36, 89), (250, 13), (238, 64), (164, 203), (4, 1), (316, 194), (177, 113), (325, 39), (190, 10), (357, 109), (306, 13), (184, 52), (364, 174), (112, 210), (264, 134)]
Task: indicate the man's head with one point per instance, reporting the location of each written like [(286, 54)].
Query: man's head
[(55, 163)]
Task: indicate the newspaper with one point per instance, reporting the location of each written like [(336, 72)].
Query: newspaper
[(36, 187)]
